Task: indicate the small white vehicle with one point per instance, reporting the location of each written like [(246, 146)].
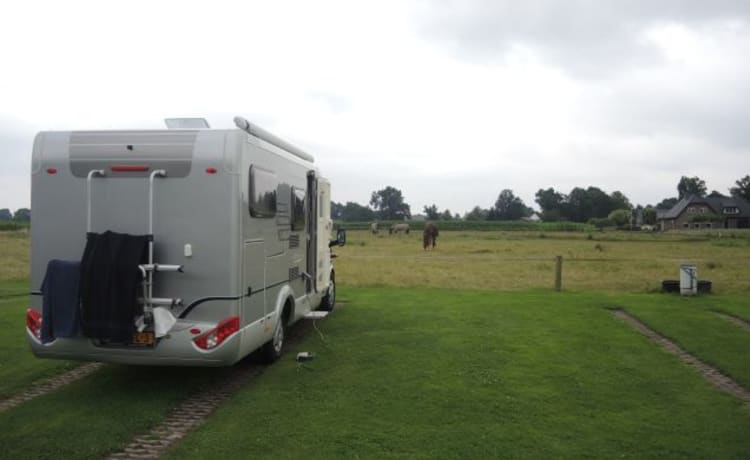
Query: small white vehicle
[(237, 229)]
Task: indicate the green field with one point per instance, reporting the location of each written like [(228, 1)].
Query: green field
[(429, 356), (600, 261)]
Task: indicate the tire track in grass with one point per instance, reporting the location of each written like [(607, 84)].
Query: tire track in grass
[(734, 319), (189, 415), (710, 373), (195, 411), (49, 385)]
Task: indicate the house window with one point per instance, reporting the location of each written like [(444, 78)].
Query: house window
[(731, 210), (696, 225), (691, 209), (686, 225), (703, 210), (298, 209), (262, 185), (708, 225)]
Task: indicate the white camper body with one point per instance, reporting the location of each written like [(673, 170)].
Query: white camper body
[(240, 227)]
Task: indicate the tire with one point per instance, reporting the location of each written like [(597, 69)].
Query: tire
[(329, 300), (274, 348)]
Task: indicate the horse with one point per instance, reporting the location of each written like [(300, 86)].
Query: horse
[(399, 228), (429, 235), (374, 228)]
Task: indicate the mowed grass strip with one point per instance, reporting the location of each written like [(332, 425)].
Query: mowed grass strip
[(423, 373), (691, 323), (100, 414), (18, 366)]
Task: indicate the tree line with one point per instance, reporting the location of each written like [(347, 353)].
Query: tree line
[(590, 204), (21, 215)]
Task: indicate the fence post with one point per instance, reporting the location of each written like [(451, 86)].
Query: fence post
[(558, 273)]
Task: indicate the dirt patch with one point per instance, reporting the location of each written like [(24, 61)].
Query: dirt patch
[(711, 374), (734, 319), (49, 385)]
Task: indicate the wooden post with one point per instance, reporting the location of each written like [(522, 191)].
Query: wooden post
[(558, 273)]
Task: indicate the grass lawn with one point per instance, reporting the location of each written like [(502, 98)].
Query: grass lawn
[(18, 367), (425, 373), (98, 414), (691, 323)]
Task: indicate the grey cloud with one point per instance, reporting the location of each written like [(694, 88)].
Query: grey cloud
[(586, 38)]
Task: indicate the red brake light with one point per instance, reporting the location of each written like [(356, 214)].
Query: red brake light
[(219, 334), (34, 322), (211, 170), (51, 170)]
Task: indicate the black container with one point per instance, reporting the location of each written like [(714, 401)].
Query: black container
[(670, 286)]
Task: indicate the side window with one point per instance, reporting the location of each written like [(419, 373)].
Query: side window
[(262, 186), (298, 209)]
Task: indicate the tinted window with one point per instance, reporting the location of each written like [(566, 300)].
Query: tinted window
[(298, 209), (262, 192)]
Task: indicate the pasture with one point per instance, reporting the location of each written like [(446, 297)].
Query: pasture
[(464, 352), (596, 261)]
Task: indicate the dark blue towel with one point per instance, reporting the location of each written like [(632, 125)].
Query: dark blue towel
[(61, 299)]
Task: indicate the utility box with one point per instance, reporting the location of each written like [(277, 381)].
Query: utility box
[(688, 279)]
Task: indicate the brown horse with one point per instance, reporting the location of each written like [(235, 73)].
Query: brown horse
[(429, 236)]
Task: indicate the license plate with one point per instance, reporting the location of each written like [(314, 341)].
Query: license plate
[(143, 338)]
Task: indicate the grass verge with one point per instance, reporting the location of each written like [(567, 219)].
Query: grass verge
[(423, 373), (18, 366)]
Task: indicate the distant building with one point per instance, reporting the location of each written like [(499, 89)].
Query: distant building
[(696, 213)]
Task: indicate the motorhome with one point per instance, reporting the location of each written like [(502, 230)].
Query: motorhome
[(188, 246)]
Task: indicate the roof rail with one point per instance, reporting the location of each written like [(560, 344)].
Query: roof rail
[(261, 133)]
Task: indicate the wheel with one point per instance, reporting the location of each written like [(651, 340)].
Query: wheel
[(329, 300), (273, 349)]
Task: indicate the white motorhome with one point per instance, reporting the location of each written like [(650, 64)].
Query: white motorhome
[(237, 230)]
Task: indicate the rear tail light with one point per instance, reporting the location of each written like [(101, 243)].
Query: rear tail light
[(34, 322), (219, 334)]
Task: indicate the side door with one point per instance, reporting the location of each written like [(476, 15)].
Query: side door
[(254, 283), (325, 226)]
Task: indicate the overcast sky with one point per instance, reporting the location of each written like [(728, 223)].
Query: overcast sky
[(449, 101)]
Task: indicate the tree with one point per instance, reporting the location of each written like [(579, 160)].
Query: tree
[(337, 210), (22, 215), (5, 214), (389, 204), (621, 217), (508, 207), (549, 199), (446, 215), (743, 188), (716, 194), (618, 200), (691, 186), (355, 212), (667, 203), (649, 215), (477, 214), (432, 212)]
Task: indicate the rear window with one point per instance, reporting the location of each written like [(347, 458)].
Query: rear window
[(262, 192)]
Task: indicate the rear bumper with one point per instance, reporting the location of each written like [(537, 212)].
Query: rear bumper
[(176, 349)]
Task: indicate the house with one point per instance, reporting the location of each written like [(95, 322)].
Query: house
[(695, 213)]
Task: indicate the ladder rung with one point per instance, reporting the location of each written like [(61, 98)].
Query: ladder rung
[(161, 268), (165, 301)]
